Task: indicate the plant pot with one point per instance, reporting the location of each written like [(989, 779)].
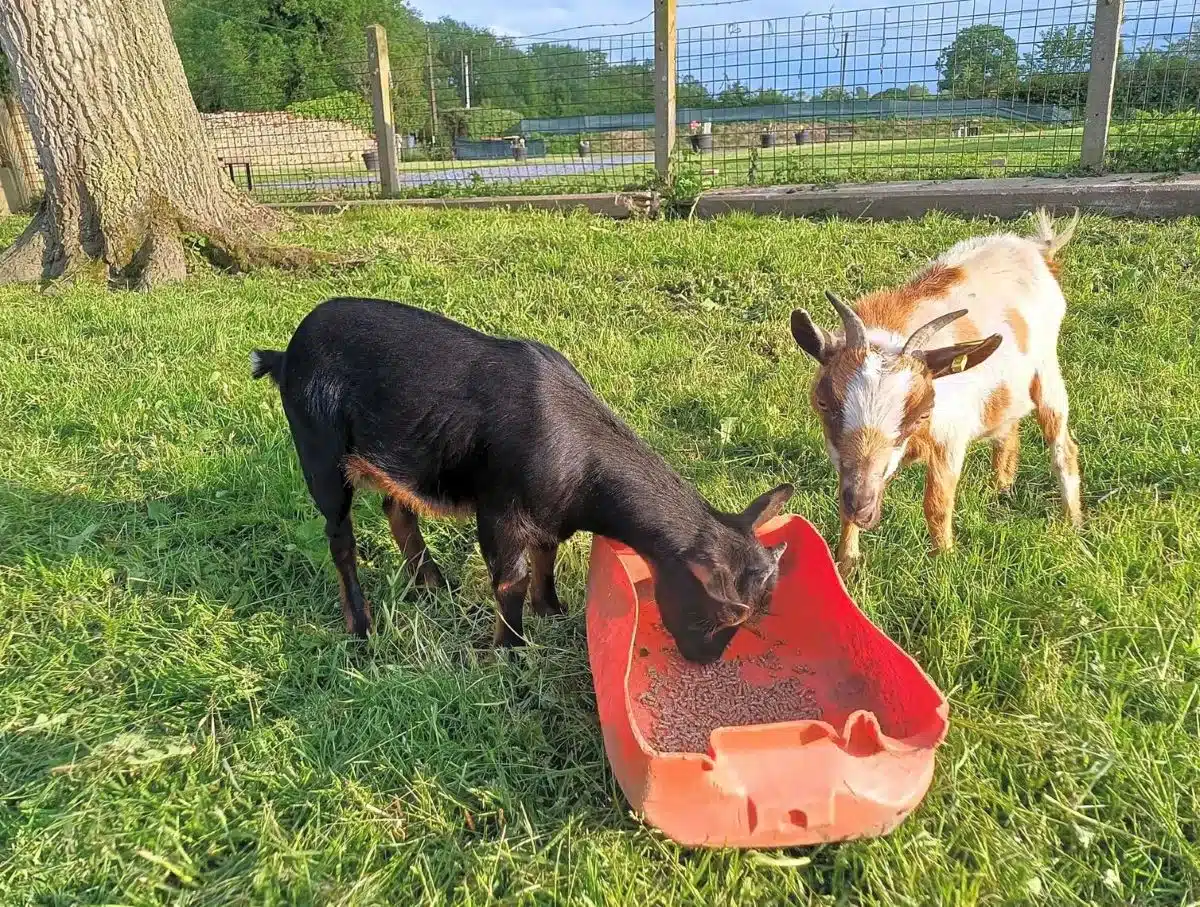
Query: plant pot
[(519, 154), (767, 139), (371, 161), (702, 142), (803, 137)]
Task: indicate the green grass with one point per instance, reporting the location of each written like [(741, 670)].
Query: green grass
[(1034, 152), (183, 720), (880, 160)]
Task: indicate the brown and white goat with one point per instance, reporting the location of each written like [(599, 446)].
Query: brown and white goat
[(886, 396)]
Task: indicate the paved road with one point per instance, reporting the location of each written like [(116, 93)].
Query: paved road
[(461, 172)]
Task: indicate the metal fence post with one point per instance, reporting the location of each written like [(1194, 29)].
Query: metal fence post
[(381, 105), (1106, 48), (664, 86)]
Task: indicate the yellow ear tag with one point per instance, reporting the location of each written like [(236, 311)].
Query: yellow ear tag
[(959, 363)]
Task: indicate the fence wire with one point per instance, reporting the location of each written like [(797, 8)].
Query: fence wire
[(1156, 123), (931, 90), (926, 91)]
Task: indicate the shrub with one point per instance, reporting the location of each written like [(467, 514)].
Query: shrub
[(480, 122), (1164, 142), (344, 107)]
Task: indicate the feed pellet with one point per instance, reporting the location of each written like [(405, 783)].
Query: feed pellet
[(688, 701)]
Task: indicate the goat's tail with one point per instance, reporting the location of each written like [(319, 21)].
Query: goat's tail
[(266, 362), (1050, 239)]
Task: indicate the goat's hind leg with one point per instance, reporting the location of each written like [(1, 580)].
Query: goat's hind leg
[(334, 495), (1049, 395)]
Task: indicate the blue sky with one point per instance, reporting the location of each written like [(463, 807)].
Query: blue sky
[(543, 15), (805, 45)]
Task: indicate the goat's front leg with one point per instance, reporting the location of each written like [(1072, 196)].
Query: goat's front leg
[(406, 530), (504, 554), (941, 482), (542, 594)]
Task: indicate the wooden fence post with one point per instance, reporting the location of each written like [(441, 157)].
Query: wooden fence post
[(381, 106), (1106, 48), (664, 87), (18, 191)]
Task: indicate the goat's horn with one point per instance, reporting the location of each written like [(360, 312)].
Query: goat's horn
[(925, 333), (856, 331)]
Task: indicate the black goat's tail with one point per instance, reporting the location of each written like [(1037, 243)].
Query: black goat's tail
[(266, 362)]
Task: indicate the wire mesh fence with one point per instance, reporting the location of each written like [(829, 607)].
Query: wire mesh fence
[(474, 131), (319, 142), (930, 90), (1156, 104), (925, 91)]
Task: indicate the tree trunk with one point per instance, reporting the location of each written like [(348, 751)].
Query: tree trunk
[(127, 165)]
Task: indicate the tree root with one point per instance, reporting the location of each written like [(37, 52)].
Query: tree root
[(25, 259), (160, 259), (243, 252), (158, 252)]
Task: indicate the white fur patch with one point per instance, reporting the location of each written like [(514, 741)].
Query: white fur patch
[(876, 396), (894, 462), (888, 341)]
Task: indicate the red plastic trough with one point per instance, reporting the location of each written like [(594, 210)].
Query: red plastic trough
[(856, 773)]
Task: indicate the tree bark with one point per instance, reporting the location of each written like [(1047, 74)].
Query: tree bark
[(126, 162)]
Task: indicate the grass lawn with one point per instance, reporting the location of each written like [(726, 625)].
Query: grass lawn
[(184, 721), (859, 161)]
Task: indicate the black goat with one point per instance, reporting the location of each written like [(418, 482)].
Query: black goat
[(445, 420)]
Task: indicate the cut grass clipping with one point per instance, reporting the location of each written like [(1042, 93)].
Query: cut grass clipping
[(184, 721)]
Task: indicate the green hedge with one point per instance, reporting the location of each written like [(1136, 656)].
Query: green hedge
[(480, 122), (345, 107), (1161, 142)]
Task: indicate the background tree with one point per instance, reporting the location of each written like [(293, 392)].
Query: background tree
[(691, 92), (1056, 70), (981, 62), (833, 93), (1061, 50), (265, 55), (122, 149), (913, 92)]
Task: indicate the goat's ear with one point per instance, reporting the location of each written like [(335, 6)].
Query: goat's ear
[(716, 581), (765, 507), (777, 552), (950, 360), (810, 337)]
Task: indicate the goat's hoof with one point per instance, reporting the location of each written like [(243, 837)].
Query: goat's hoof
[(359, 625), (430, 577), (505, 637), (548, 607)]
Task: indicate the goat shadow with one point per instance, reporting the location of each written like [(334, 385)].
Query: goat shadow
[(494, 735)]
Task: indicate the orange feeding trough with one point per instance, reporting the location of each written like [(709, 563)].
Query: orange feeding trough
[(855, 722)]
